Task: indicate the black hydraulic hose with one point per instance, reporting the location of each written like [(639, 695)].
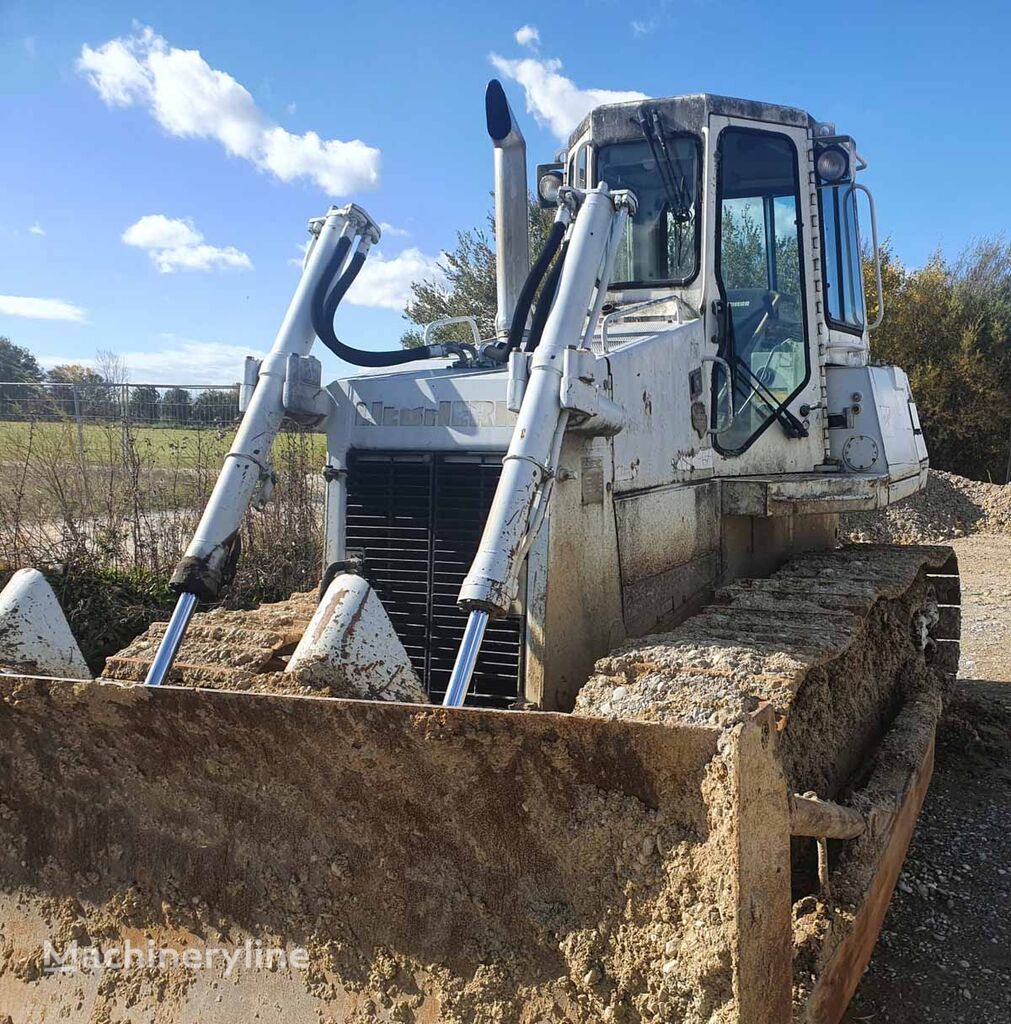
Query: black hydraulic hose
[(545, 301), (344, 282), (530, 285), (324, 306), (330, 272)]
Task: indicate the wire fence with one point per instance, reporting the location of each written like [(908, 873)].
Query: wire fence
[(95, 475), (102, 402)]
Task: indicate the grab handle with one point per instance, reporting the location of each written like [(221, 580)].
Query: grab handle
[(720, 361)]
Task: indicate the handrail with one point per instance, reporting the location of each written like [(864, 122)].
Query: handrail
[(877, 255), (446, 320), (623, 311), (719, 360)]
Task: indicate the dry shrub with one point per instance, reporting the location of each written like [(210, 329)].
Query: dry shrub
[(106, 511)]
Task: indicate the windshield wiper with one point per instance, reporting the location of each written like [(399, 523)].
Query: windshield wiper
[(676, 186), (792, 426)]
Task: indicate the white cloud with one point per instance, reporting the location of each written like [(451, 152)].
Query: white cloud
[(199, 257), (36, 229), (385, 282), (299, 261), (191, 99), (30, 43), (156, 231), (41, 309), (393, 232), (174, 244), (642, 28), (180, 361), (556, 101), (337, 167), (528, 36)]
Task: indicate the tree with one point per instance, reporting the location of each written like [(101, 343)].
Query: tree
[(18, 371), (216, 406), (78, 390), (949, 326), (470, 282), (112, 366), (17, 364), (144, 403), (176, 405), (742, 249)]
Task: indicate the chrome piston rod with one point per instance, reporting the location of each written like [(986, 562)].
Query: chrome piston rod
[(169, 646), (529, 466), (466, 659), (246, 470)]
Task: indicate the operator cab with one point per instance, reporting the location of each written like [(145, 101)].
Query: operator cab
[(730, 228)]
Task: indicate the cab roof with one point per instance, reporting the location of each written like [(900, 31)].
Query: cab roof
[(616, 122)]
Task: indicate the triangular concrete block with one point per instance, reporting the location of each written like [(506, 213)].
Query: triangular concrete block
[(35, 637), (351, 648)]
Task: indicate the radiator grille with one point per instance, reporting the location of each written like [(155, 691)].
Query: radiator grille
[(418, 518)]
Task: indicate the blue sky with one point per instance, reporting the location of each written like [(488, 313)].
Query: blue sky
[(183, 129)]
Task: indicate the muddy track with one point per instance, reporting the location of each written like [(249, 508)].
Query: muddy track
[(774, 639), (943, 953)]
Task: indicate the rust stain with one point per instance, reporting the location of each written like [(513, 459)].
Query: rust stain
[(352, 625), (331, 608)]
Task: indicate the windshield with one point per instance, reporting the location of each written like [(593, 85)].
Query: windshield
[(661, 241)]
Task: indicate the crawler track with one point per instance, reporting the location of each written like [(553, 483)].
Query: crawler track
[(833, 640), (231, 650)]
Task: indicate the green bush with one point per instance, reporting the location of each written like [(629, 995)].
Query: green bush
[(949, 326)]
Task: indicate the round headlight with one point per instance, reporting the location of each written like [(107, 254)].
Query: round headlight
[(548, 186), (833, 164)]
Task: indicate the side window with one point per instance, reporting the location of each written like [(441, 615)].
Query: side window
[(759, 267), (581, 177), (844, 293)]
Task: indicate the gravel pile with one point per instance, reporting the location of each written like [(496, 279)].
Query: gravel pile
[(951, 506)]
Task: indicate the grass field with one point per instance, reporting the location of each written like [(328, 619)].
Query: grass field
[(154, 446)]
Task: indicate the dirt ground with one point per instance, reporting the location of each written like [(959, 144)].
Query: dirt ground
[(943, 953)]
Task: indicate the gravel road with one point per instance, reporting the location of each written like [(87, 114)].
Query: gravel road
[(943, 956)]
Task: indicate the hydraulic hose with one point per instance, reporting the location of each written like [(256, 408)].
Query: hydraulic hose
[(545, 301), (329, 273), (529, 290), (324, 306)]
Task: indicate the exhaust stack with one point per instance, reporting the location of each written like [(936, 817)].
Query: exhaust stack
[(512, 231)]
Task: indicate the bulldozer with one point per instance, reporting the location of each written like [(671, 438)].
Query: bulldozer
[(593, 717)]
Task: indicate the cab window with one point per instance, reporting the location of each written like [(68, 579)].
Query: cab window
[(581, 160), (661, 243), (843, 279)]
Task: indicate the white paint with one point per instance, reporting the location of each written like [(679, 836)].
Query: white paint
[(34, 634)]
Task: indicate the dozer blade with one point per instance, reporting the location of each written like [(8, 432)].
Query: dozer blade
[(430, 862)]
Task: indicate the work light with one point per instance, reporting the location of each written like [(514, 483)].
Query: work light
[(833, 164)]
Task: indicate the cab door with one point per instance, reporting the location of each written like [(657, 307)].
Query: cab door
[(763, 323)]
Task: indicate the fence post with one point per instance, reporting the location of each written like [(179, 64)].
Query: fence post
[(80, 441)]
